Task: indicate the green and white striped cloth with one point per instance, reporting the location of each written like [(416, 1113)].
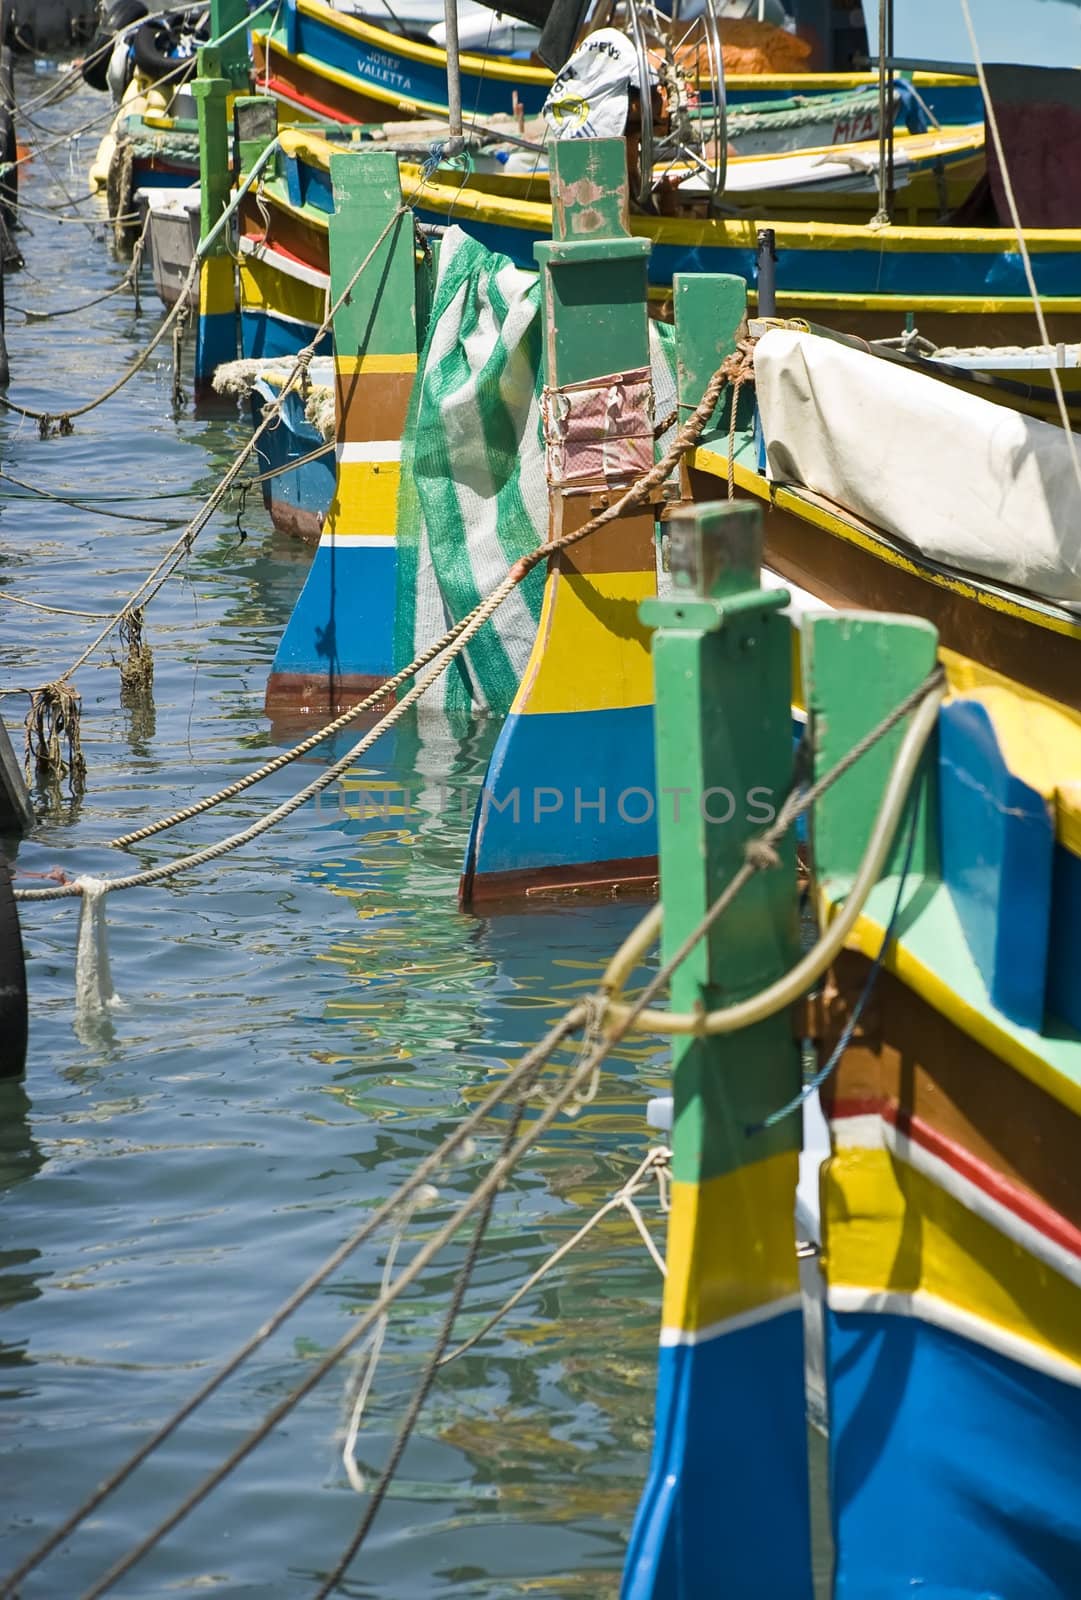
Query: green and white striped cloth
[(473, 497)]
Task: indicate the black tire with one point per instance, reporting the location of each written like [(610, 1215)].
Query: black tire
[(151, 46), (13, 1006), (117, 15)]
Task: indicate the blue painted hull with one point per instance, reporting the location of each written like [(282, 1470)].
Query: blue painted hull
[(711, 1398), (298, 499), (954, 1469)]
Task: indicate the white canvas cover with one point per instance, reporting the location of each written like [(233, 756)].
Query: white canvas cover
[(967, 483)]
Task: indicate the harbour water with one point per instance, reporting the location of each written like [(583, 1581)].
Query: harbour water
[(300, 1022)]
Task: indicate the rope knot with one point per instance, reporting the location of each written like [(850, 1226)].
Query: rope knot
[(760, 855)]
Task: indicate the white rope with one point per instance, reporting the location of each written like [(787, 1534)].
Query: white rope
[(372, 1347), (95, 995), (654, 1166), (1019, 232)]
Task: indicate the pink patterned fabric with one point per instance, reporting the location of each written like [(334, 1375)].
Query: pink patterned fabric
[(600, 431)]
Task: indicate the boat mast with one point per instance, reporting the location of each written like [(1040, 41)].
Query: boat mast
[(454, 74), (885, 110)]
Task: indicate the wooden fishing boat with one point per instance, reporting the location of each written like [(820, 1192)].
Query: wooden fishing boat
[(964, 286), (326, 64), (934, 173), (949, 1052), (851, 550), (949, 1029)]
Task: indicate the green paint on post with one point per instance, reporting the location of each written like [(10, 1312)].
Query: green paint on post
[(722, 664), (379, 315), (593, 273), (227, 25), (710, 317), (211, 92), (856, 667)]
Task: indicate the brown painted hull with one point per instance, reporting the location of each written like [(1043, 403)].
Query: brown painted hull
[(299, 696), (912, 1065), (851, 578), (593, 880), (295, 521)]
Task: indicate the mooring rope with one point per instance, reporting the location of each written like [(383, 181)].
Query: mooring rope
[(430, 1371), (383, 1213), (291, 466), (181, 546), (54, 611), (760, 854), (61, 421), (130, 280), (580, 1074), (456, 637), (497, 1174), (655, 1168)]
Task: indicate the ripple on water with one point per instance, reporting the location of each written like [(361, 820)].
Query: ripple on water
[(301, 1023)]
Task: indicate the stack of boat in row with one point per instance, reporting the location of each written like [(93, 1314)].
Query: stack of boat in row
[(895, 406)]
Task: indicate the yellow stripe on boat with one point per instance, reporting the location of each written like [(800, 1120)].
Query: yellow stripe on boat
[(348, 366), (365, 502), (893, 1231), (217, 289), (731, 1250), (264, 288), (583, 662)]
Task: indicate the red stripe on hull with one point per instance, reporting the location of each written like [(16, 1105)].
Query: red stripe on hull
[(1026, 1207)]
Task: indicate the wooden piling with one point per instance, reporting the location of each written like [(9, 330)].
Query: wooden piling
[(726, 1507), (568, 802), (216, 330)]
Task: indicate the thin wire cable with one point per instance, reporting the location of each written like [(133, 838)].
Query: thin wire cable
[(291, 466), (152, 583), (634, 1184), (63, 418), (583, 1070), (77, 133), (128, 281), (499, 1171)]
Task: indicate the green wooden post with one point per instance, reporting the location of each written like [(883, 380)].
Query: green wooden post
[(710, 316), (339, 641), (593, 272), (725, 1511), (580, 724), (227, 23), (216, 333), (888, 657)]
